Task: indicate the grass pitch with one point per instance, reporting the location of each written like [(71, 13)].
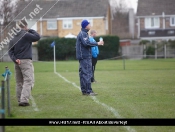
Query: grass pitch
[(146, 89)]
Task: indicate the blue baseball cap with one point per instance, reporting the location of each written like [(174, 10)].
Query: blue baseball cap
[(84, 23)]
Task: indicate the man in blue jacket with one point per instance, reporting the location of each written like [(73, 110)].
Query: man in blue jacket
[(95, 52), (20, 51), (84, 55)]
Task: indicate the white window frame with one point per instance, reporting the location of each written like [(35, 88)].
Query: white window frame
[(54, 24), (171, 21), (67, 24), (150, 22)]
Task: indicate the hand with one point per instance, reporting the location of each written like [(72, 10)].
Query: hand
[(25, 28), (100, 43), (29, 30), (18, 61)]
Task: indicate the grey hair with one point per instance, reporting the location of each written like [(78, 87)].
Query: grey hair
[(92, 31), (22, 23)]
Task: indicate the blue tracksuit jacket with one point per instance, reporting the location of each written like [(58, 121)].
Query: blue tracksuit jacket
[(83, 45), (95, 50)]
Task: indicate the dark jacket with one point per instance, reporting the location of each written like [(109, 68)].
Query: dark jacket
[(83, 45), (20, 47)]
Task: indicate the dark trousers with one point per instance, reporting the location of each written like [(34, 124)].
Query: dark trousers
[(94, 62), (85, 74)]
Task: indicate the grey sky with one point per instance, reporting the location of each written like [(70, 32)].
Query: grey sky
[(129, 3)]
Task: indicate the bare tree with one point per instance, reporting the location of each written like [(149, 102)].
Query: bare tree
[(120, 26), (8, 10), (119, 6)]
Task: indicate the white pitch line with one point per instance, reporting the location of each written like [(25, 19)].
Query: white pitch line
[(34, 104), (115, 112)]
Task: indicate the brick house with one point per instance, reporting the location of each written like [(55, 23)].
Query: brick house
[(156, 19), (61, 18)]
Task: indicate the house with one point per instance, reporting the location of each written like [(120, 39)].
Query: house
[(61, 18), (156, 19), (156, 23)]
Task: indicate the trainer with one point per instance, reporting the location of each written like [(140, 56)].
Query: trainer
[(95, 52), (84, 55), (20, 51)]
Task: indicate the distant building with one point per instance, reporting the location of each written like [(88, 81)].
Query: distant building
[(156, 19), (64, 17)]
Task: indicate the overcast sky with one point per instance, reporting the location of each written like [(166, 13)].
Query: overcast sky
[(132, 3), (129, 3)]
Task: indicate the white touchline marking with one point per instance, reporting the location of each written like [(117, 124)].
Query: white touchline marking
[(34, 104), (128, 128)]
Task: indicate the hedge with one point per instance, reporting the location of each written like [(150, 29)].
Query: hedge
[(65, 48), (110, 48)]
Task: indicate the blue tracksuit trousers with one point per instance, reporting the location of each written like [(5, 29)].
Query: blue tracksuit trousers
[(85, 74)]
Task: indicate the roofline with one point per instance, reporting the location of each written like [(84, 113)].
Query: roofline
[(64, 18), (153, 38), (155, 16)]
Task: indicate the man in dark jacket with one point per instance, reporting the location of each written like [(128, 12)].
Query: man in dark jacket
[(84, 55), (20, 51)]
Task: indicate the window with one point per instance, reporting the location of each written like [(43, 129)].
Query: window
[(152, 22), (172, 21), (51, 24), (67, 24)]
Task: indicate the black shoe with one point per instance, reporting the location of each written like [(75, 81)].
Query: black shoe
[(24, 104), (94, 81), (84, 94)]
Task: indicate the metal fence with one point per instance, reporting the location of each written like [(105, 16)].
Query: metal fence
[(5, 85)]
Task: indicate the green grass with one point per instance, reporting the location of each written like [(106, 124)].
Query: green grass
[(146, 89)]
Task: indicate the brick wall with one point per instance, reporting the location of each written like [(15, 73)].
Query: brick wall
[(167, 23), (142, 23), (98, 24)]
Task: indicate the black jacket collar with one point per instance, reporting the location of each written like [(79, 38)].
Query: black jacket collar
[(85, 30)]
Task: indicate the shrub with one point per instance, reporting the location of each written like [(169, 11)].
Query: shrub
[(65, 48)]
